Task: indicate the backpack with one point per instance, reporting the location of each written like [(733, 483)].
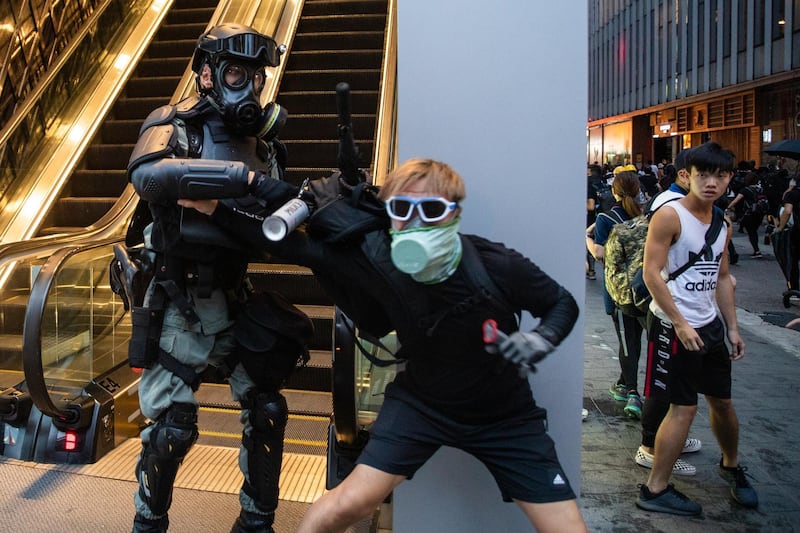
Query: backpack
[(605, 198), (624, 258), (366, 316), (760, 205)]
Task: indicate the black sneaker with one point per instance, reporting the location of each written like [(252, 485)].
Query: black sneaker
[(741, 490), (150, 525), (248, 522), (669, 500)]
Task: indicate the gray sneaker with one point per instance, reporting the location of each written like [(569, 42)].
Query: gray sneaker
[(619, 392), (741, 490), (669, 500)]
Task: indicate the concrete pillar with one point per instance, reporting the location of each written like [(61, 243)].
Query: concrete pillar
[(499, 91)]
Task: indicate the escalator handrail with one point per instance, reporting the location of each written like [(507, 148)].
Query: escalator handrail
[(343, 384), (32, 334), (384, 156)]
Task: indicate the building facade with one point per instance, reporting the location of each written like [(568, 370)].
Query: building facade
[(670, 74)]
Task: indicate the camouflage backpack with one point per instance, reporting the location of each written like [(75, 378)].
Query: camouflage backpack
[(624, 255)]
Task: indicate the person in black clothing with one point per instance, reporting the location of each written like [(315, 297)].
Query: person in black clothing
[(593, 183), (751, 221), (648, 182), (791, 209), (454, 390)]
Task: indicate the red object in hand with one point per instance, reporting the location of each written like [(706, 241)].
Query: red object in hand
[(490, 331)]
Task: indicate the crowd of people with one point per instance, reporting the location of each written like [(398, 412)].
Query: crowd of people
[(686, 330)]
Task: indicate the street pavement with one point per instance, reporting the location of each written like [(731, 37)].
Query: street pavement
[(764, 386)]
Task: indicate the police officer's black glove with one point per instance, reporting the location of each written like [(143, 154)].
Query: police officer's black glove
[(271, 190)]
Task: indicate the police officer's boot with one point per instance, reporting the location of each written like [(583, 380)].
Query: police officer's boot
[(248, 522), (150, 525)]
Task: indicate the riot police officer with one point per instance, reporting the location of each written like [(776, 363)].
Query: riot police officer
[(197, 311)]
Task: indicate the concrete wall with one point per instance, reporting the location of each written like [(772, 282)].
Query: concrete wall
[(499, 91)]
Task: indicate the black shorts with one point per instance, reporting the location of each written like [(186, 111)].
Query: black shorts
[(517, 451), (676, 374)]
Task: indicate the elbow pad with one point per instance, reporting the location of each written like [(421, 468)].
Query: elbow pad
[(197, 179)]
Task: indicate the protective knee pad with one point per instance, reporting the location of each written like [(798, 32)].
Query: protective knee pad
[(268, 416), (170, 440)]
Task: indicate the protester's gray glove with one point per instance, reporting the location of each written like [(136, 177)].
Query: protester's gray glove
[(524, 348)]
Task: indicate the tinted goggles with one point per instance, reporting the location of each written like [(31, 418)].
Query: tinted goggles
[(430, 209), (251, 46)]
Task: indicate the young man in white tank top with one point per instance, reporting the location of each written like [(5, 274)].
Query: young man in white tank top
[(687, 353)]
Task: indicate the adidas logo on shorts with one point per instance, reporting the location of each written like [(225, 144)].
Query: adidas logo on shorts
[(558, 480)]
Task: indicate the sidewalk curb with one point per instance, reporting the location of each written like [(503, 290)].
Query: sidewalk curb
[(784, 338)]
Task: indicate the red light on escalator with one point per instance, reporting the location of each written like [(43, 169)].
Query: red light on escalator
[(70, 441)]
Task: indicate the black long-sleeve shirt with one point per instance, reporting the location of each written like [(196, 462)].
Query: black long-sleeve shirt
[(450, 370)]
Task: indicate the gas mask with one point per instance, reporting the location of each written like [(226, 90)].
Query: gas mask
[(236, 94)]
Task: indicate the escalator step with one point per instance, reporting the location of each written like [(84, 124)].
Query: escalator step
[(98, 183), (322, 153), (155, 86), (308, 127), (191, 30), (342, 7), (155, 66), (349, 22), (138, 108), (173, 48), (335, 59), (72, 211), (339, 40), (105, 156), (361, 102), (198, 15), (359, 80), (120, 131)]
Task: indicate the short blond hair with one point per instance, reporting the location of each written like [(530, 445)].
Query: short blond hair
[(441, 179)]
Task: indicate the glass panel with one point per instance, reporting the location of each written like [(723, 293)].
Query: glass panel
[(85, 330), (371, 380), (16, 279)]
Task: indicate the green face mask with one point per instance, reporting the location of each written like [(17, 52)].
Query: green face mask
[(429, 254)]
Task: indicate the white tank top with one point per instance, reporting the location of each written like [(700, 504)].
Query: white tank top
[(694, 291)]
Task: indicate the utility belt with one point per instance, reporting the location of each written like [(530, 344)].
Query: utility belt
[(147, 282)]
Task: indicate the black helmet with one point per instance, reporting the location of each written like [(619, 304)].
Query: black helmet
[(236, 40)]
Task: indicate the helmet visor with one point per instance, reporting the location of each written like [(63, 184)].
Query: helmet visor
[(252, 46)]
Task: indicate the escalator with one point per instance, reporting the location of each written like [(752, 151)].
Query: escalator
[(101, 177)]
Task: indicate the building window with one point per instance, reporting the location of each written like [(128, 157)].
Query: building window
[(758, 23), (742, 26), (701, 35), (725, 23), (779, 19)]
